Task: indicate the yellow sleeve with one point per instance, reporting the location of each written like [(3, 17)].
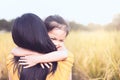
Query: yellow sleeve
[(10, 66), (64, 69)]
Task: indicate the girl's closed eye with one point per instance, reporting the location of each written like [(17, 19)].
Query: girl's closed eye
[(53, 38)]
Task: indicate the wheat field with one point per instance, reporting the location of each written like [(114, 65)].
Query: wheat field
[(97, 54)]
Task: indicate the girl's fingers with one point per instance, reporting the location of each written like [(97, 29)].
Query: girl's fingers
[(46, 65), (50, 64), (42, 65), (22, 61), (22, 57), (26, 66)]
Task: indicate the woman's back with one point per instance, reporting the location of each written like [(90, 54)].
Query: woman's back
[(61, 73)]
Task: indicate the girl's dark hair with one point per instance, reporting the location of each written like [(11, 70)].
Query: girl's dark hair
[(58, 19), (29, 32)]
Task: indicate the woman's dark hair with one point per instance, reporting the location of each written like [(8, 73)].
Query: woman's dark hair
[(59, 20), (29, 32)]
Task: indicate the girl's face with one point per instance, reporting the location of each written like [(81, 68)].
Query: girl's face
[(57, 36)]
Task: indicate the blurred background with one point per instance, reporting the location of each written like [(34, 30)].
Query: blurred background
[(94, 38)]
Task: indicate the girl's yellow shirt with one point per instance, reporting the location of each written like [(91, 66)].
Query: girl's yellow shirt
[(63, 71)]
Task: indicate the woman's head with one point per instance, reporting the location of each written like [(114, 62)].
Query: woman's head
[(58, 29), (29, 32)]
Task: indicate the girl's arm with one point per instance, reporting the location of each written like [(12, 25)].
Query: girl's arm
[(32, 58), (49, 57), (18, 51)]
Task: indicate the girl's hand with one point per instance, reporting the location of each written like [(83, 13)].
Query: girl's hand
[(32, 60)]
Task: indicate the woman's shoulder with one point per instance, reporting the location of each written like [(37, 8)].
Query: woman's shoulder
[(70, 56), (68, 61)]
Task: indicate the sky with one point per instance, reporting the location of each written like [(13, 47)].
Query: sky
[(80, 11)]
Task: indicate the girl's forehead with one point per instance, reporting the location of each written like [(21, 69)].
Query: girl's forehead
[(57, 25), (58, 32)]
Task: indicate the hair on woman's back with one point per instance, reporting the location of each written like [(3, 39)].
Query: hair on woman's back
[(29, 32)]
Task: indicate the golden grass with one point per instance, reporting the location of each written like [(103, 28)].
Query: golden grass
[(96, 54)]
